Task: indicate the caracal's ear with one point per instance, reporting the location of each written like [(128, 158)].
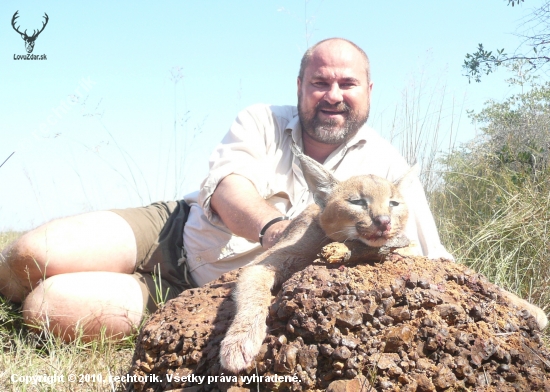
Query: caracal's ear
[(319, 180), (407, 179)]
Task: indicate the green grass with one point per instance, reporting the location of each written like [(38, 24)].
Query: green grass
[(25, 353)]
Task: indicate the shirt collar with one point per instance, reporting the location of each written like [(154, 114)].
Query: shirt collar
[(295, 129)]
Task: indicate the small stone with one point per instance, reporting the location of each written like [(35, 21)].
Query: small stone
[(386, 320), (349, 318), (352, 363), (338, 365), (385, 361), (341, 353), (427, 322), (503, 367), (387, 303), (398, 337), (450, 312), (431, 344), (359, 384), (398, 287), (424, 283), (326, 350), (285, 361), (386, 292), (463, 368), (412, 282), (476, 313), (444, 378), (348, 342), (424, 383), (307, 357), (400, 314)]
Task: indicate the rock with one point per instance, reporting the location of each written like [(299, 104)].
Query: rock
[(349, 318), (402, 323), (424, 384), (444, 378), (341, 353), (359, 384), (398, 337)]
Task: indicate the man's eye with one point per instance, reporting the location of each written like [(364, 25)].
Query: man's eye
[(394, 203), (347, 85), (358, 202)]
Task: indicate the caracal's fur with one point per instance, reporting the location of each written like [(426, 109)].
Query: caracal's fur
[(365, 208)]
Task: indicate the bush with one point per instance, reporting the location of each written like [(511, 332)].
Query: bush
[(493, 207)]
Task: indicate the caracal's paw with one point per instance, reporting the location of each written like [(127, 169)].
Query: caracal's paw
[(538, 314), (535, 311), (238, 349)]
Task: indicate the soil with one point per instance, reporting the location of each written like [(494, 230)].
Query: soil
[(400, 324)]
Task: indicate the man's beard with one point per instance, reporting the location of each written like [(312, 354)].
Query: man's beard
[(327, 131)]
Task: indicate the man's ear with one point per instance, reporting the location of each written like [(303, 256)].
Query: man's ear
[(319, 180), (408, 178)]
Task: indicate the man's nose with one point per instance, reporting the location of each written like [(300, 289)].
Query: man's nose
[(334, 95)]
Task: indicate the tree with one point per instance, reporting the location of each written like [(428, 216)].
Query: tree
[(536, 42)]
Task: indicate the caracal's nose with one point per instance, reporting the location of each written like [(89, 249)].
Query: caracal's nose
[(382, 222)]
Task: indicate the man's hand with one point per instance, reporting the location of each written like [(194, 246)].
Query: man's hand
[(273, 233), (239, 205)]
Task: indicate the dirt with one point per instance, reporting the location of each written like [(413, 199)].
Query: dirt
[(402, 324)]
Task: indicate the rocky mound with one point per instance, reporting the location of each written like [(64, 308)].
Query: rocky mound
[(403, 324)]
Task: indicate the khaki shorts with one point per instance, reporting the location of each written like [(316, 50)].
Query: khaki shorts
[(158, 229)]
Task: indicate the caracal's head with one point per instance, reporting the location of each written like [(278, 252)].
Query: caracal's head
[(367, 208)]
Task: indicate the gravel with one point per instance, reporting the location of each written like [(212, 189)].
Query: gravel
[(402, 324)]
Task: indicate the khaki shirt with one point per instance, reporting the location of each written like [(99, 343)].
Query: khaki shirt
[(258, 147)]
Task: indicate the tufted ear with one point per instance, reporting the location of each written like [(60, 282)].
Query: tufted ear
[(407, 179), (319, 180)]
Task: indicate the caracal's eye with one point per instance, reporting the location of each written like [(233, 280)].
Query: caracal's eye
[(394, 203), (358, 202)]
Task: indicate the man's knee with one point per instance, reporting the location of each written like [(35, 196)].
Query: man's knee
[(21, 267), (41, 311), (27, 259), (35, 306)]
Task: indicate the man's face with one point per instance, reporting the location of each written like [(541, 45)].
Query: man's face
[(334, 95)]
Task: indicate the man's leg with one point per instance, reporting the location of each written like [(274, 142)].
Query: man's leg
[(76, 270), (97, 241), (87, 303)]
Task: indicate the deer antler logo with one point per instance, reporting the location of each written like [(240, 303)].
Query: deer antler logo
[(29, 41)]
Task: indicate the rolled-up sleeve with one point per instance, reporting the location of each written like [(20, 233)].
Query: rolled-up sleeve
[(243, 152)]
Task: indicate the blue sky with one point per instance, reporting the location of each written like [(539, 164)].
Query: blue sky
[(134, 96)]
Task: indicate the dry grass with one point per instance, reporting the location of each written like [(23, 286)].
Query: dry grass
[(498, 226)]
